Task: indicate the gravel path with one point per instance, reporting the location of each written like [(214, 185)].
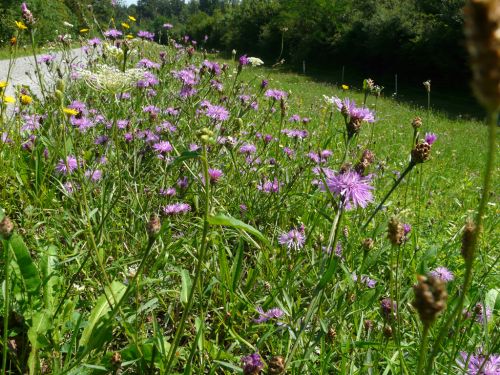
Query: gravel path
[(23, 71)]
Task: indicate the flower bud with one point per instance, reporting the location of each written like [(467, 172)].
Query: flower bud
[(6, 227)]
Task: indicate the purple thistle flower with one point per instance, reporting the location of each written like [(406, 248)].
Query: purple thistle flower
[(67, 167), (388, 308), (269, 186), (479, 364), (353, 189), (248, 148), (264, 316), (176, 209), (295, 133), (244, 60), (145, 35), (348, 108), (442, 273), (252, 364), (264, 83), (293, 240), (113, 34), (94, 175), (216, 112), (294, 118), (430, 138), (47, 59), (148, 64), (370, 283), (94, 42), (170, 192), (214, 175), (276, 94), (483, 313), (182, 182), (163, 147)]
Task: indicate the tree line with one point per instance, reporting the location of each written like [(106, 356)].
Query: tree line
[(416, 38)]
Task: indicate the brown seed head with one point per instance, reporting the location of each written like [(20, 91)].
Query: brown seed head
[(421, 153), (367, 244), (353, 127), (6, 227), (395, 231), (482, 32), (468, 239), (276, 365), (430, 298), (154, 226), (116, 359), (416, 123)]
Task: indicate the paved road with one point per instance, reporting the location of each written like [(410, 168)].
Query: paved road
[(23, 70)]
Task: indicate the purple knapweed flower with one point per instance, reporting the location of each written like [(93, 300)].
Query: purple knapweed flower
[(269, 186), (244, 60), (168, 26), (163, 147), (113, 34), (248, 148), (176, 209), (388, 308), (93, 175), (430, 138), (293, 240), (94, 42), (264, 316), (276, 94), (147, 64), (353, 189), (348, 108), (479, 364), (370, 283), (294, 118), (216, 112), (145, 35), (169, 192), (442, 273), (46, 59), (67, 166), (483, 313), (252, 364), (182, 182), (295, 133), (264, 83)]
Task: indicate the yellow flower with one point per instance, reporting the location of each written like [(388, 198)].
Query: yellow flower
[(3, 84), (20, 25), (129, 36), (26, 99), (84, 30), (125, 25), (132, 18), (8, 99), (70, 111), (345, 87)]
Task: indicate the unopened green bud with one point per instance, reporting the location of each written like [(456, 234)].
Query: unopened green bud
[(60, 85)]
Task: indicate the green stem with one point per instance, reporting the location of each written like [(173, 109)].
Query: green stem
[(37, 67), (5, 349), (490, 162), (423, 349), (199, 266), (396, 184)]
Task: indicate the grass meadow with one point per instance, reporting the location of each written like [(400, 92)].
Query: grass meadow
[(165, 211)]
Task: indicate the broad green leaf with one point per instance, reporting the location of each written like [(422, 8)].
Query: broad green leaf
[(100, 309), (186, 155), (237, 369), (229, 221), (49, 276), (492, 299), (40, 325), (29, 272), (186, 284)]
